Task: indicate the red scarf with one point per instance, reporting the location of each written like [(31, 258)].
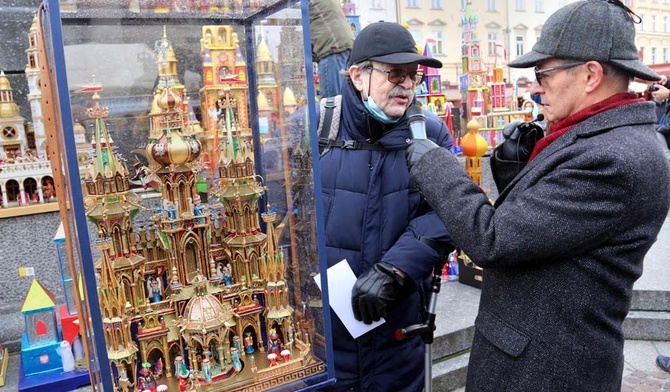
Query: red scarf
[(563, 126)]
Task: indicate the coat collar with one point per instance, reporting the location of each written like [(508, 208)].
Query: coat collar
[(642, 113)]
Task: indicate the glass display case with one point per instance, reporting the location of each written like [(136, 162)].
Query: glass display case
[(182, 131)]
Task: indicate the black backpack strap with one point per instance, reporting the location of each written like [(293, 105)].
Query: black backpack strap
[(329, 106), (353, 145)]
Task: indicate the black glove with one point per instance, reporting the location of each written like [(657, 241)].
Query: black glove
[(520, 139), (416, 149), (374, 291)]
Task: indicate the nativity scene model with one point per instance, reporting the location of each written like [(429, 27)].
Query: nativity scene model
[(201, 297)]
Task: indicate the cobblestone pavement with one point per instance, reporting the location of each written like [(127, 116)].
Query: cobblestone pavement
[(645, 381)]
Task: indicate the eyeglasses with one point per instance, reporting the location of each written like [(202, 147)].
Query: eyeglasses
[(397, 76), (540, 72)]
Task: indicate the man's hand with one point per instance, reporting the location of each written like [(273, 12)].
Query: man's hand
[(416, 149), (520, 139), (374, 291)]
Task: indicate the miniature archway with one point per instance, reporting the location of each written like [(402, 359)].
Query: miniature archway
[(30, 188), (157, 359)]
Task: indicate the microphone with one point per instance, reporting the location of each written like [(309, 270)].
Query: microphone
[(417, 122), (540, 117)]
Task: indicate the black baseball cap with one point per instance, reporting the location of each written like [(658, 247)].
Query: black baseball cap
[(389, 43)]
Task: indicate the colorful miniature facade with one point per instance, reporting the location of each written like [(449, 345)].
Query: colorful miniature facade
[(204, 288), (25, 172), (40, 342), (429, 94), (349, 9), (483, 89)]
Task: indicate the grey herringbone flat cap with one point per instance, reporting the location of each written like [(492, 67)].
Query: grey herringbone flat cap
[(589, 30)]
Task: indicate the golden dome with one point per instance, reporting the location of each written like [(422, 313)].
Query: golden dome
[(79, 129), (175, 148), (7, 108), (289, 98), (263, 52), (4, 82), (205, 312), (169, 100), (263, 104)]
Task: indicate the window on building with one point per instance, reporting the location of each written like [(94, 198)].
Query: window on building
[(520, 5), (492, 39), (437, 44), (463, 4), (539, 5), (435, 4), (491, 5), (376, 4), (653, 23), (665, 24), (665, 55), (627, 2), (562, 3), (412, 3), (416, 34), (520, 45), (653, 55), (641, 24), (641, 52), (9, 132)]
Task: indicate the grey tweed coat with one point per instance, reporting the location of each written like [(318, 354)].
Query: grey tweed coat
[(560, 249)]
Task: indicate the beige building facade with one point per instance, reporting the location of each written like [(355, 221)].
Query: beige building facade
[(514, 24), (653, 33)]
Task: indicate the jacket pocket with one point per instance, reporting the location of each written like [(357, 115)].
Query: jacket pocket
[(502, 335)]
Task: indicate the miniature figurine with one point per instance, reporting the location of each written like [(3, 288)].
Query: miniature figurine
[(145, 381), (183, 377), (206, 370), (158, 368), (272, 357), (248, 343), (235, 357), (65, 352), (155, 289), (286, 355), (275, 343)]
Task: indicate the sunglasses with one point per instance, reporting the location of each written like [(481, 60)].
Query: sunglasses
[(397, 76), (540, 72)]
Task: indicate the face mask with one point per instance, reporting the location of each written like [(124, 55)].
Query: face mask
[(378, 113)]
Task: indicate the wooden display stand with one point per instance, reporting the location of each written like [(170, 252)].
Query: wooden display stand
[(4, 361)]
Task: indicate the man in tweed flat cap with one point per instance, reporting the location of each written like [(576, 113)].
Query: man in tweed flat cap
[(578, 210)]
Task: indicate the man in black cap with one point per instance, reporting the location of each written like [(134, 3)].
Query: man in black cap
[(578, 210), (374, 215)]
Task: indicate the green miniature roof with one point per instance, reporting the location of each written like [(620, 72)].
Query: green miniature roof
[(38, 298)]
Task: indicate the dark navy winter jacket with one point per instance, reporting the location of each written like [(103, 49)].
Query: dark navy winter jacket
[(373, 213)]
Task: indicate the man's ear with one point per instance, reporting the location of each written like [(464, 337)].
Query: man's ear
[(356, 75), (595, 75)]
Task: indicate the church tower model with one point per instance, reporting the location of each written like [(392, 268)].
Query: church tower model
[(474, 92), (34, 92), (204, 287)]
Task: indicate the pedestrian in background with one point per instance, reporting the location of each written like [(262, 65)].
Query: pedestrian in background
[(577, 212), (332, 40)]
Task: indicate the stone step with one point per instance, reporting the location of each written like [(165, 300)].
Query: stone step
[(651, 300), (647, 325), (449, 373)]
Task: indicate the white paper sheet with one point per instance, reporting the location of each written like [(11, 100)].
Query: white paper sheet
[(341, 280)]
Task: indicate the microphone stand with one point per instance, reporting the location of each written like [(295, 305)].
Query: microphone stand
[(427, 328)]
